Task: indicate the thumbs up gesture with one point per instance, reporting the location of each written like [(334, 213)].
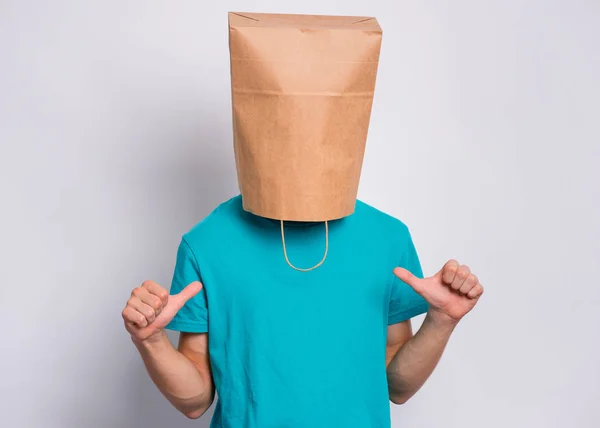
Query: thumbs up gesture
[(150, 308), (453, 291)]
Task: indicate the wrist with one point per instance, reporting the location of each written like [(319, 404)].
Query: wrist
[(156, 340), (440, 319)]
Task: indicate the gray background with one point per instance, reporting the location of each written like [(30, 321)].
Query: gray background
[(116, 138)]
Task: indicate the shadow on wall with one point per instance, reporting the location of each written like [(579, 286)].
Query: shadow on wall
[(188, 187), (173, 191), (149, 409)]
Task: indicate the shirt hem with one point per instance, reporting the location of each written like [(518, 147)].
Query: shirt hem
[(186, 327), (408, 314)]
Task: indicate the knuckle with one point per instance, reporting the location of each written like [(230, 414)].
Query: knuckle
[(449, 275), (136, 291), (476, 291), (147, 283)]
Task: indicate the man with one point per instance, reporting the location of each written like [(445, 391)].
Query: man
[(327, 344)]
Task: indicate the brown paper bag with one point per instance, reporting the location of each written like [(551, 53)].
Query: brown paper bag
[(302, 90)]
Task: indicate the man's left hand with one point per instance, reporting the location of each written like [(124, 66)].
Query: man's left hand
[(451, 292)]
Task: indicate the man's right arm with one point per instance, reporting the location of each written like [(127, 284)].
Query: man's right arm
[(182, 375)]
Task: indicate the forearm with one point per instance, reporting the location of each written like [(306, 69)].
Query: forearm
[(416, 359), (178, 378)]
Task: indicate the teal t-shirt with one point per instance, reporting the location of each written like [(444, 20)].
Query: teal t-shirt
[(297, 349)]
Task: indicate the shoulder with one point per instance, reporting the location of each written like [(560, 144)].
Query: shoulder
[(216, 224), (380, 221), (381, 230)]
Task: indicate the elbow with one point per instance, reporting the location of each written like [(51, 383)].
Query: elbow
[(197, 412), (198, 408), (194, 414), (399, 399)]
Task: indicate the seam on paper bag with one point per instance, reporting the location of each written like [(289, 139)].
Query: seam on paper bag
[(362, 20), (244, 16)]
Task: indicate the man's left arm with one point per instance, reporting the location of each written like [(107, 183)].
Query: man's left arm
[(451, 294)]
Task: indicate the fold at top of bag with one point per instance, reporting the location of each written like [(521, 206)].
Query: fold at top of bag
[(308, 22)]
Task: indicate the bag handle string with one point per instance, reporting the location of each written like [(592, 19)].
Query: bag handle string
[(315, 266)]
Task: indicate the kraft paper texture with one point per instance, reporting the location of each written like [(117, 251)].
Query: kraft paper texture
[(302, 91)]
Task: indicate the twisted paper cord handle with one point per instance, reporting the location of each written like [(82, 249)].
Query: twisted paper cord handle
[(315, 266)]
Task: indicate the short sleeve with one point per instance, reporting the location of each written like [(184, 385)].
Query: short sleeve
[(193, 316), (405, 303)]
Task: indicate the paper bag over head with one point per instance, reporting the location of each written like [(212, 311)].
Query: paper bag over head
[(302, 91)]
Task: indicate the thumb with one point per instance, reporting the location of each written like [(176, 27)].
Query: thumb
[(186, 294), (409, 278)]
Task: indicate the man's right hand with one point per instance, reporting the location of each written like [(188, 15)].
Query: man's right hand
[(150, 308)]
